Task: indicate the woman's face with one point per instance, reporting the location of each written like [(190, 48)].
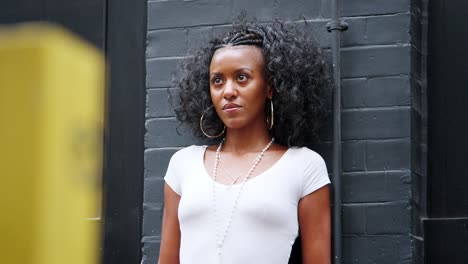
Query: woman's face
[(238, 86)]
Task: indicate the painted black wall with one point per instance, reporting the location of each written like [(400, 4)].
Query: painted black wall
[(419, 124), (446, 225), (126, 22)]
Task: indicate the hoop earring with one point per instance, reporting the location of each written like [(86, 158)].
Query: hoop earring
[(271, 115), (201, 125)]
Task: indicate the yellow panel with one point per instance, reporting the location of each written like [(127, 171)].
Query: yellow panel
[(51, 112)]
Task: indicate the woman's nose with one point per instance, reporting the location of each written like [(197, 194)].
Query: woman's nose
[(230, 90)]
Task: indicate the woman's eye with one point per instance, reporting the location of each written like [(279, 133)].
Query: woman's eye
[(242, 77), (217, 80)]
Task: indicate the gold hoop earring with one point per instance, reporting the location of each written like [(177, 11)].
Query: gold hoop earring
[(201, 125), (271, 115)]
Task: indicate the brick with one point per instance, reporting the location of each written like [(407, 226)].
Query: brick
[(353, 155), (376, 92), (378, 123), (388, 218), (375, 61), (160, 72), (221, 30), (368, 30), (173, 14), (154, 190), (159, 103), (262, 10), (383, 249), (381, 186), (152, 219), (166, 43), (388, 29), (151, 239), (150, 249), (200, 36), (298, 9), (354, 93), (366, 7), (157, 160), (356, 33), (376, 218), (147, 260), (388, 154), (355, 219), (317, 30), (167, 133), (392, 91)]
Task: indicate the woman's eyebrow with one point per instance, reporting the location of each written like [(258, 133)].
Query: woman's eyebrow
[(244, 68), (235, 71)]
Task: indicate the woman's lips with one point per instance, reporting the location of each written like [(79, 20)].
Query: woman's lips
[(231, 107)]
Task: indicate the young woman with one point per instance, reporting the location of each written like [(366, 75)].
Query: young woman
[(258, 94)]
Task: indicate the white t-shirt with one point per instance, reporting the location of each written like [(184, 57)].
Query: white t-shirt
[(265, 224)]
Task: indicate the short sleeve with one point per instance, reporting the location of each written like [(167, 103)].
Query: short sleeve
[(173, 177), (315, 174)]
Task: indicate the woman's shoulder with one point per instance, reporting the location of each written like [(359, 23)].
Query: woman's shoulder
[(305, 154), (313, 167), (305, 159), (188, 152)]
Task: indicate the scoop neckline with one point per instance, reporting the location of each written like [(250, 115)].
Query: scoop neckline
[(266, 172)]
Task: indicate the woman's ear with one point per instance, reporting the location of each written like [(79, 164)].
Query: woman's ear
[(269, 91)]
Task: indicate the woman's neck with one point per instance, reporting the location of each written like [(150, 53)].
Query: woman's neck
[(246, 140)]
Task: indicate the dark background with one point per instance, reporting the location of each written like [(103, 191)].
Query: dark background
[(446, 226), (118, 29)]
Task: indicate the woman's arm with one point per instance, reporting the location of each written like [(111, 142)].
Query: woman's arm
[(170, 241), (314, 226)]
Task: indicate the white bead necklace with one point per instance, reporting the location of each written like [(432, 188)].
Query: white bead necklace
[(220, 238)]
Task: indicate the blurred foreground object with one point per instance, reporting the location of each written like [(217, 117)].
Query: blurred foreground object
[(51, 112)]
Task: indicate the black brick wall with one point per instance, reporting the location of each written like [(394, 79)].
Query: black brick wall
[(378, 111)]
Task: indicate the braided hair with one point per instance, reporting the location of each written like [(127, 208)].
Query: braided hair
[(240, 38), (294, 67)]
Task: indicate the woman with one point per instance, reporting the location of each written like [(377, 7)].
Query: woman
[(258, 94)]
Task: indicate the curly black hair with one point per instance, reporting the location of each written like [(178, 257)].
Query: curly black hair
[(295, 68)]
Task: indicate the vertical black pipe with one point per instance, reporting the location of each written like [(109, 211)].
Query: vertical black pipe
[(335, 27)]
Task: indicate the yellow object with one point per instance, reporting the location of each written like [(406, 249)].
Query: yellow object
[(51, 112)]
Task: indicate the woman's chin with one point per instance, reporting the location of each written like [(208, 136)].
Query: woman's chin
[(235, 125)]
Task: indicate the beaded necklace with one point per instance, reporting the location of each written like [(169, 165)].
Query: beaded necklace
[(220, 238)]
